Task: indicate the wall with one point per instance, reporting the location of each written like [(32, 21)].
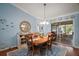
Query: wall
[(9, 27), (76, 31)]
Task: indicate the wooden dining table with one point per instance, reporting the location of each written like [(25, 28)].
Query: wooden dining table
[(40, 40)]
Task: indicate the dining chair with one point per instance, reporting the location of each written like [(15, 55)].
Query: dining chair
[(31, 46), (54, 36), (51, 38), (29, 43)]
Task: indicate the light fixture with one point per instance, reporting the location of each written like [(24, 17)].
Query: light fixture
[(44, 21)]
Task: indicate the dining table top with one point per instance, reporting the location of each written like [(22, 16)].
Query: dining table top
[(39, 40)]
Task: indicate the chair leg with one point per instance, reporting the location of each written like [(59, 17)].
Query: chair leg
[(33, 51), (28, 52), (39, 51)]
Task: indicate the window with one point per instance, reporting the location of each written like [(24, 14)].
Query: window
[(66, 29)]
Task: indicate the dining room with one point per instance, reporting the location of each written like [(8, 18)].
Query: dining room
[(39, 29)]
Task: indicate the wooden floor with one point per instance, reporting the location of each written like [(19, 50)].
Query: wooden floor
[(4, 53), (74, 52), (71, 51)]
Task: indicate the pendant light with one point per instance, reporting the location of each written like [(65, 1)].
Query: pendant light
[(44, 21)]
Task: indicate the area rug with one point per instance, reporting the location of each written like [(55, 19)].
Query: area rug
[(56, 50), (18, 52)]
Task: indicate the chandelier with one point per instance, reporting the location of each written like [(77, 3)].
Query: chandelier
[(44, 21)]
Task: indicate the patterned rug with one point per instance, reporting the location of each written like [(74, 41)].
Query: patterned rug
[(56, 50)]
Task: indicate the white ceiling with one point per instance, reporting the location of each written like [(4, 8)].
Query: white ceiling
[(52, 9)]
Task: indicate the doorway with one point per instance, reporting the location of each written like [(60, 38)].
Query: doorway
[(64, 31)]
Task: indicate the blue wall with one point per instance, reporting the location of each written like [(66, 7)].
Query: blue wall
[(10, 26), (76, 31)]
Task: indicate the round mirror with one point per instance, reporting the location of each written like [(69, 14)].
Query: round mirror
[(25, 26)]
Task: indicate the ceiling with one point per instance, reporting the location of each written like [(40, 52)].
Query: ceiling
[(51, 10)]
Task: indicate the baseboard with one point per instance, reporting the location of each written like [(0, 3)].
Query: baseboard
[(8, 48)]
